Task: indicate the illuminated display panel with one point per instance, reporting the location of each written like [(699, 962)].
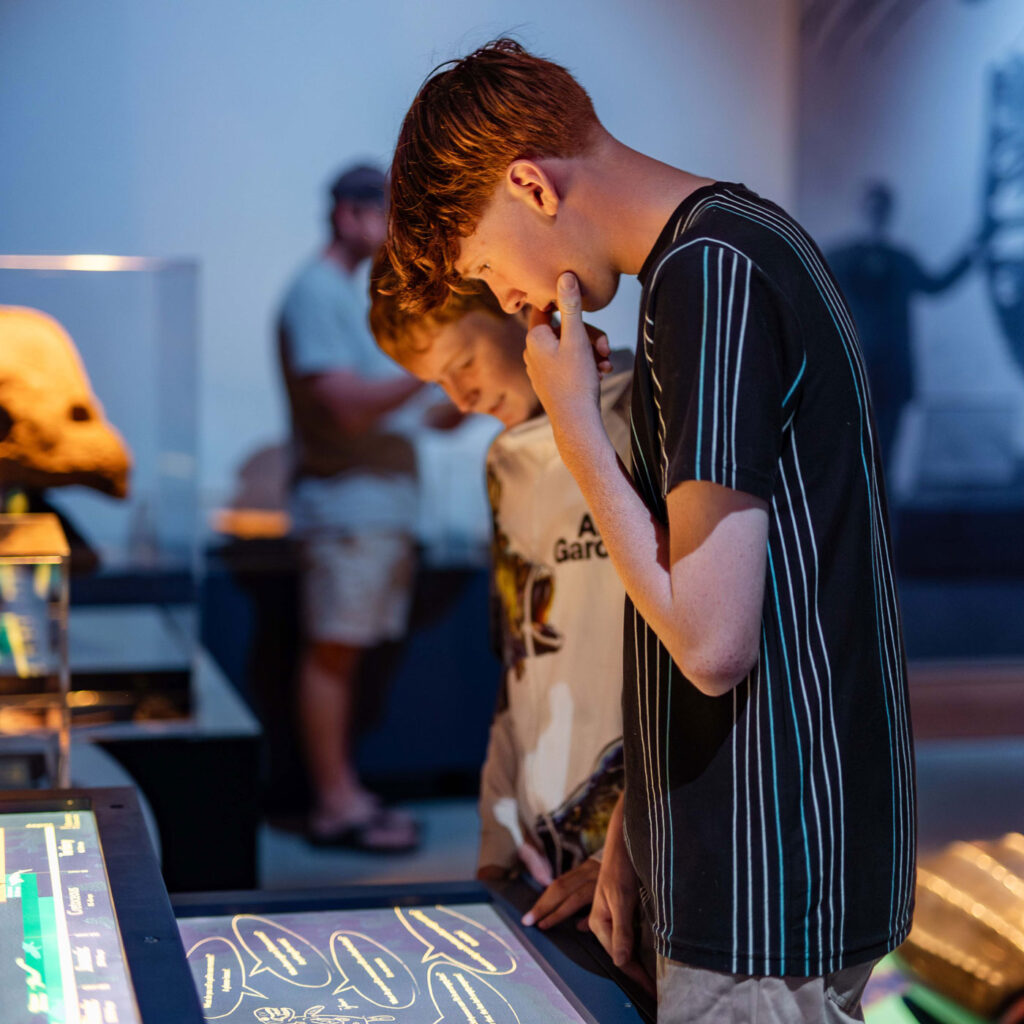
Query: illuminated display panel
[(408, 964), (61, 957)]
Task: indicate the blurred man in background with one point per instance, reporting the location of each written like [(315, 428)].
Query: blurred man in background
[(353, 506)]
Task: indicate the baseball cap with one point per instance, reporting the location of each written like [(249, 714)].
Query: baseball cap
[(361, 183)]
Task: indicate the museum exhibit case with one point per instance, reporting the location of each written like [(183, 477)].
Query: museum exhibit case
[(134, 323), (98, 418), (100, 414)]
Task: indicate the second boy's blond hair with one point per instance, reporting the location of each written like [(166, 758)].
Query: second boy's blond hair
[(402, 334)]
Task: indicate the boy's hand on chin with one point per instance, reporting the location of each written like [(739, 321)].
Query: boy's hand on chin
[(565, 368)]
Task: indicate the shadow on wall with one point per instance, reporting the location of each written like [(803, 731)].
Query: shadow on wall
[(954, 456)]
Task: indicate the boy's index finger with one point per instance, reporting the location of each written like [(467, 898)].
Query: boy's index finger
[(570, 302), (551, 897)]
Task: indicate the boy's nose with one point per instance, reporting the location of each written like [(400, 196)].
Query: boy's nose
[(512, 301)]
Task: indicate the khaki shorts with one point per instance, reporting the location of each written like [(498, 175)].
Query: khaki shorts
[(356, 587), (697, 996)]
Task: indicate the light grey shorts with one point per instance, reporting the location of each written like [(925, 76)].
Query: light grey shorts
[(697, 996), (356, 587)]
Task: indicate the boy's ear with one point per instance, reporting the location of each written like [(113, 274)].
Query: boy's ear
[(528, 182)]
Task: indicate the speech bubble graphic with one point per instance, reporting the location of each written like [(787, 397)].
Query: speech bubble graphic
[(219, 974), (282, 952), (373, 971), (449, 934), (460, 996)]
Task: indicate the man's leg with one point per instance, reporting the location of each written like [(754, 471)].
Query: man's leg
[(347, 599), (691, 995), (326, 696)]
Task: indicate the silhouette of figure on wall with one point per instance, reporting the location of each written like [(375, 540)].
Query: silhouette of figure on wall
[(1004, 201), (879, 280)]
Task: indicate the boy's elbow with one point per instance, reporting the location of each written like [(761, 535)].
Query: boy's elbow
[(717, 669), (714, 683)]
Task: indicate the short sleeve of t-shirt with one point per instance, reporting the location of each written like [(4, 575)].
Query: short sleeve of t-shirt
[(714, 342), (325, 323)]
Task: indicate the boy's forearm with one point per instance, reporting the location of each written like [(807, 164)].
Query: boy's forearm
[(637, 543), (688, 605), (496, 847), (500, 833)]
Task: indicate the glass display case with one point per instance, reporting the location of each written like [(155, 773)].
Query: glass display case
[(35, 709), (106, 438), (133, 322)]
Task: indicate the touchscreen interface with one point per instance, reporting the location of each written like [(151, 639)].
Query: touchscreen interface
[(409, 965), (61, 959)]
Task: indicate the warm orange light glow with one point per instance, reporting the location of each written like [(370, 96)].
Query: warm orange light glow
[(250, 523)]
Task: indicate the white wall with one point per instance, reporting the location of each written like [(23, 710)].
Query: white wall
[(208, 128)]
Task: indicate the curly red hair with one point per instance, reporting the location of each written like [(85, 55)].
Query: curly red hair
[(469, 121)]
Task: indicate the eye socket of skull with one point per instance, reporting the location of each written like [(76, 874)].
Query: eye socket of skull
[(6, 423), (80, 413)]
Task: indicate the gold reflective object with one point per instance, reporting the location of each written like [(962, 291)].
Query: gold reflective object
[(967, 941)]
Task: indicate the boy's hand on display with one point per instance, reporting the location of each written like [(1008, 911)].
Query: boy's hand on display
[(563, 367), (615, 904), (565, 895), (615, 901)]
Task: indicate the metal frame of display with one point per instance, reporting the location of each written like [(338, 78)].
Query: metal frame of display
[(163, 986)]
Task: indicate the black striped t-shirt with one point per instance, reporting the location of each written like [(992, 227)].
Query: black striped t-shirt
[(773, 828)]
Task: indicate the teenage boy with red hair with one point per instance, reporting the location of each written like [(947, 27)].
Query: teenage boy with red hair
[(767, 826)]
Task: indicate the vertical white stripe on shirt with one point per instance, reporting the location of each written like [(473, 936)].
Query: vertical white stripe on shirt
[(800, 655), (735, 845), (727, 451), (713, 457), (739, 366), (827, 735)]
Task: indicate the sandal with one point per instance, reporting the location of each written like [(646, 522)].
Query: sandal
[(366, 835)]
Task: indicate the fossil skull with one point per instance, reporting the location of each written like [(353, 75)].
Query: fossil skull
[(53, 431)]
